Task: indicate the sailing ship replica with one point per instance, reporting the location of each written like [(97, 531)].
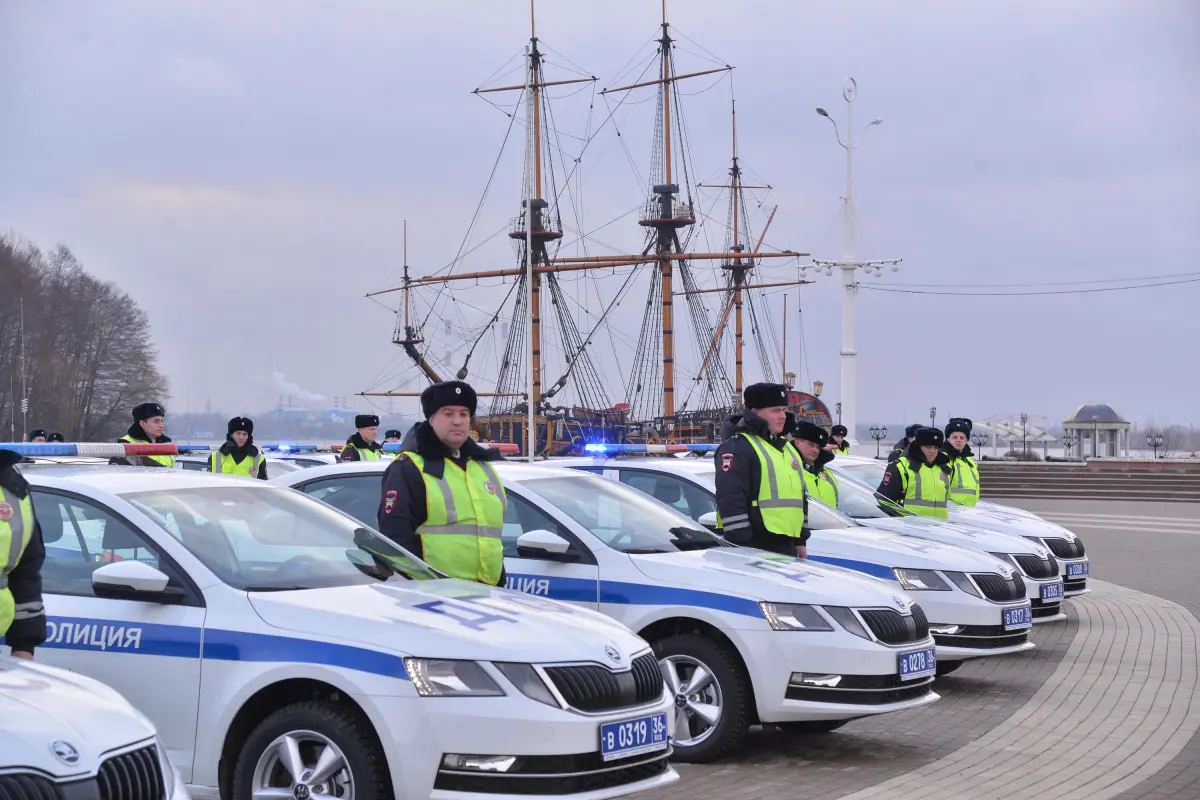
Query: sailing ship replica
[(649, 408)]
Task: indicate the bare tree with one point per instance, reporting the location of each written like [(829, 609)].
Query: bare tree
[(89, 357)]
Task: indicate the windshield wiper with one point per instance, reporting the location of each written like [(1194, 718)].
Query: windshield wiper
[(636, 551), (276, 588)]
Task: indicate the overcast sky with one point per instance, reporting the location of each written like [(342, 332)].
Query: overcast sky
[(242, 170)]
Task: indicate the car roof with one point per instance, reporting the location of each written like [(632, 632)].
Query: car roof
[(117, 479), (515, 471)]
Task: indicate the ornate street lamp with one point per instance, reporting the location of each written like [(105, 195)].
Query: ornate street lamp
[(1154, 440), (1069, 440), (878, 434), (979, 438), (933, 416)]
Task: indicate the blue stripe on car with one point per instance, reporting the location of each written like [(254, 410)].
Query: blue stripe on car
[(874, 570)]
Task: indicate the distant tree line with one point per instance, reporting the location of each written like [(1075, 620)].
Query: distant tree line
[(88, 354)]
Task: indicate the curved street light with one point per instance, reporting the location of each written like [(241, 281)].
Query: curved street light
[(878, 434)]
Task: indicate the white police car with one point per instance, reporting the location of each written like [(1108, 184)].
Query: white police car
[(976, 601), (1067, 548), (67, 736), (282, 649), (742, 635)]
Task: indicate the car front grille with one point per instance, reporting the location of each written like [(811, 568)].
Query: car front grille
[(892, 627), (23, 786), (1074, 584), (864, 690), (556, 775), (983, 637), (136, 775), (1000, 590), (1042, 610), (1065, 549), (1036, 567), (590, 687)]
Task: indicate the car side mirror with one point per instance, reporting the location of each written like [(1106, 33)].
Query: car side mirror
[(134, 580), (545, 544), (710, 521)]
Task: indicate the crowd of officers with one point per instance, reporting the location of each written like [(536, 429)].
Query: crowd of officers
[(442, 499)]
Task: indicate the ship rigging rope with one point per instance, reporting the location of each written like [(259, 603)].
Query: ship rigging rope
[(1092, 290)]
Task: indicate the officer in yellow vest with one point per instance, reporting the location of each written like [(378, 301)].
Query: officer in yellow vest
[(22, 616), (442, 499), (837, 439), (149, 419), (964, 478), (239, 455), (761, 500), (920, 479), (820, 483), (362, 445)]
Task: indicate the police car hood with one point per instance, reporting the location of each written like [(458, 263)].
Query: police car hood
[(999, 520), (447, 619), (45, 710), (743, 572), (877, 551), (957, 533)]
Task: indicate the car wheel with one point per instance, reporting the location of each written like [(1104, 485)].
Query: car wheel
[(812, 726), (312, 749), (712, 696), (946, 667)]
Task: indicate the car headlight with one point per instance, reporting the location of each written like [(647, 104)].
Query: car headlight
[(920, 580), (528, 681), (1005, 557), (961, 580), (1034, 539), (791, 617), (847, 619), (434, 677)]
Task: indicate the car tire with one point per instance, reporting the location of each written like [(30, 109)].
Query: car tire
[(732, 688), (946, 667), (811, 727), (310, 722)]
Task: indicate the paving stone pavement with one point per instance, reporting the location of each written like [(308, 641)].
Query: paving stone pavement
[(1106, 700)]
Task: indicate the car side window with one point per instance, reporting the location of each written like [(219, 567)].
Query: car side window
[(357, 496), (521, 516), (675, 492), (80, 538)]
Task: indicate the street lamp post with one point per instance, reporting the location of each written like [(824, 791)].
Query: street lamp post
[(839, 413), (1069, 440), (1154, 440), (848, 263), (979, 438), (1024, 438), (1095, 435), (878, 434), (933, 416)]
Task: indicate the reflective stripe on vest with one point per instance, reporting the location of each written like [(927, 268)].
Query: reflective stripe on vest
[(364, 454), (823, 486), (15, 533), (464, 520), (965, 482), (926, 489), (223, 464), (166, 461), (781, 488)]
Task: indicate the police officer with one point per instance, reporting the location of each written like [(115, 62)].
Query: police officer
[(964, 477), (392, 436), (810, 441), (902, 446), (22, 616), (760, 488), (920, 479), (55, 437), (149, 419), (362, 445), (442, 500), (239, 455), (37, 435), (837, 439)]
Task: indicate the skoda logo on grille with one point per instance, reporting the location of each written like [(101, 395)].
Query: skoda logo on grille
[(1006, 571), (614, 655), (900, 602), (65, 752)]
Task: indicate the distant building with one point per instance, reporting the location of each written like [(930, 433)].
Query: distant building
[(1101, 431)]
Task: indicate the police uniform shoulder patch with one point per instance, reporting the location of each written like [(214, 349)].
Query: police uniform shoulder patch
[(389, 501), (491, 487), (887, 477), (6, 511), (726, 462)]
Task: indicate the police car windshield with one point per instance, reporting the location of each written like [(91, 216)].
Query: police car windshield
[(860, 500), (260, 538), (622, 517)]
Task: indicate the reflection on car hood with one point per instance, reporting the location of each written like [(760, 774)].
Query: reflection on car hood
[(877, 551), (42, 705), (448, 619), (1003, 522), (957, 533), (749, 575)]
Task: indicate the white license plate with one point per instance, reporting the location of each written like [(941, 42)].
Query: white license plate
[(1052, 592), (1077, 570), (633, 737), (917, 663), (1017, 618)]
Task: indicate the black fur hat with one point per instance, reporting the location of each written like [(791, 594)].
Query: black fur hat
[(148, 411), (241, 424), (392, 433), (35, 433), (810, 433), (55, 437), (929, 436), (959, 425), (765, 395), (911, 430), (448, 393), (366, 421), (839, 430)]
